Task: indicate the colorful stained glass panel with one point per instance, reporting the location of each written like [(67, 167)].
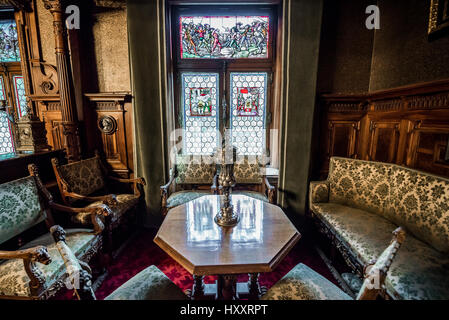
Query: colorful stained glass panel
[(248, 104), (19, 91), (6, 142), (9, 44), (200, 116), (227, 37)]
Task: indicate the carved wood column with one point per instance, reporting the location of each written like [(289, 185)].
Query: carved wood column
[(66, 90)]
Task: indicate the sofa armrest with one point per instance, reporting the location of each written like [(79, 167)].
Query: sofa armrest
[(165, 192), (319, 192), (135, 182), (214, 186), (270, 189)]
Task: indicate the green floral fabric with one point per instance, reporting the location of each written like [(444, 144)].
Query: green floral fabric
[(84, 177), (15, 282), (418, 271), (149, 284), (252, 194), (302, 283), (194, 171), (20, 208), (247, 170), (319, 192), (181, 197), (124, 203)]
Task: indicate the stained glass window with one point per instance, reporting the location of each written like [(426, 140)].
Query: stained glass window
[(6, 143), (229, 37), (9, 45), (248, 102), (19, 91), (200, 104)]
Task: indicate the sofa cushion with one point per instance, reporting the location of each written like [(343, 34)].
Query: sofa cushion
[(84, 177), (124, 203), (302, 283), (149, 284), (15, 282), (252, 194), (359, 184), (20, 208), (181, 197), (192, 170), (420, 203), (418, 271)]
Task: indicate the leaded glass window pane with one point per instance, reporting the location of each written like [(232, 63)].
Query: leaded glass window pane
[(248, 104), (200, 104), (19, 91), (224, 37), (9, 44), (6, 144)]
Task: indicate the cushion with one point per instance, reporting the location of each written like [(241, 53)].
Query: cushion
[(252, 194), (13, 278), (149, 284), (418, 271), (181, 197), (84, 177), (20, 208), (192, 170), (420, 203), (247, 170), (359, 184), (125, 202), (302, 283)]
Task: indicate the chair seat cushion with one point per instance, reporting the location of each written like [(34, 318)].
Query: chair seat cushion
[(418, 271), (149, 284), (252, 194), (181, 197), (13, 278), (302, 283), (124, 203)]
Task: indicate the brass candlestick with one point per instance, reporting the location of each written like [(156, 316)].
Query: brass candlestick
[(226, 217)]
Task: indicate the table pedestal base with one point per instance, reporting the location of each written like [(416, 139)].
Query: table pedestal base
[(227, 288)]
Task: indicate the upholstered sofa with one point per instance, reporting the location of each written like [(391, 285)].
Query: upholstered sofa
[(36, 270), (362, 202)]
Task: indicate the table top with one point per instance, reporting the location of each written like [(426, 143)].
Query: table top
[(256, 244)]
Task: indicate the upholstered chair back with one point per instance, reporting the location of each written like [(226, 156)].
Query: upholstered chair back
[(194, 170), (83, 177), (361, 184), (247, 171), (420, 202), (20, 207)]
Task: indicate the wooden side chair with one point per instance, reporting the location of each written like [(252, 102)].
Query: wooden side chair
[(302, 283), (35, 270), (87, 183), (149, 284), (190, 179)]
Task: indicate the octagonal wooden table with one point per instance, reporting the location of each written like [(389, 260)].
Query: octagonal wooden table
[(258, 243)]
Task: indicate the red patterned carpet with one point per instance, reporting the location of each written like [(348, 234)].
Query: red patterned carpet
[(142, 252)]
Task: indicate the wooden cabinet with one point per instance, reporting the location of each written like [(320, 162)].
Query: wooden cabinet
[(384, 140), (343, 138)]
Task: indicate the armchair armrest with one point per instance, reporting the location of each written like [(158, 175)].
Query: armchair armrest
[(164, 191), (30, 257), (135, 182), (214, 186), (96, 212), (319, 192), (110, 199), (270, 189)]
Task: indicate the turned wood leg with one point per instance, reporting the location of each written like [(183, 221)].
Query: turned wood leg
[(227, 287), (253, 286), (198, 288)]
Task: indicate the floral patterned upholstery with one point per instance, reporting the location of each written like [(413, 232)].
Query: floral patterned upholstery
[(13, 278), (149, 284), (319, 192), (194, 171), (84, 177), (302, 283), (124, 203), (181, 197), (20, 208), (247, 171)]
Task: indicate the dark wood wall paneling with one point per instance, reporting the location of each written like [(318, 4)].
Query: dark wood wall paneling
[(408, 126)]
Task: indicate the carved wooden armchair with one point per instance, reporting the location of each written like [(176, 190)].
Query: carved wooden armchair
[(190, 178), (302, 283), (36, 270), (251, 180), (87, 183)]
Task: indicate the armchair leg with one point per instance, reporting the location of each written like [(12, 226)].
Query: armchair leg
[(85, 291)]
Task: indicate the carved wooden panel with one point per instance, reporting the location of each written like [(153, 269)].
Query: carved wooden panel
[(384, 140), (343, 138)]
